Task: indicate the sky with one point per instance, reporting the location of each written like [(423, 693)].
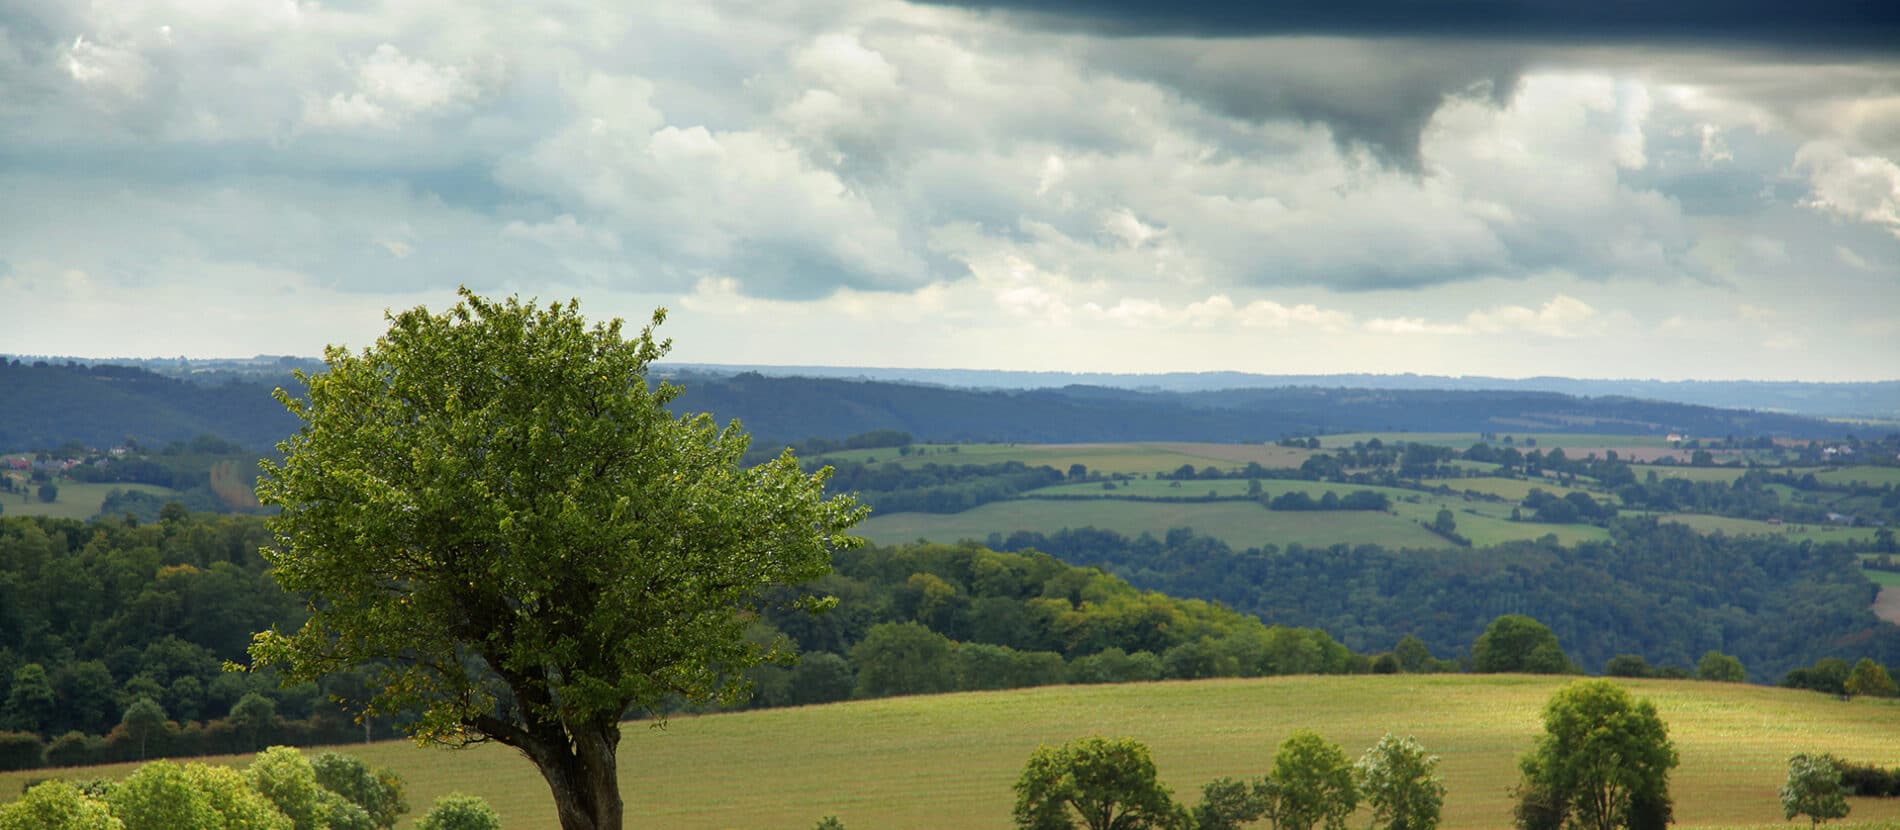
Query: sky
[(1511, 188)]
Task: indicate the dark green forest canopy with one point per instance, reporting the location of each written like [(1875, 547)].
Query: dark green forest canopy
[(1657, 589)]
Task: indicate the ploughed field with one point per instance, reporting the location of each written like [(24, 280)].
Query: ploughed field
[(949, 761)]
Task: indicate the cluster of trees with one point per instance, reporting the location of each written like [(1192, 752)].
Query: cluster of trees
[(936, 488), (279, 790), (1832, 675), (1355, 500), (937, 618), (1571, 508), (1111, 784), (1655, 589)]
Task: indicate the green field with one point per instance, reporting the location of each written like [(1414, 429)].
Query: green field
[(1888, 579), (1668, 471), (1461, 440), (76, 500), (1130, 459), (1515, 489), (947, 762), (1752, 527), (1875, 476), (1241, 524)]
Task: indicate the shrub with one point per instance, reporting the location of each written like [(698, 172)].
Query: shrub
[(456, 811)]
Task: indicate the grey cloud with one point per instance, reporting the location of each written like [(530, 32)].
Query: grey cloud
[(1832, 24)]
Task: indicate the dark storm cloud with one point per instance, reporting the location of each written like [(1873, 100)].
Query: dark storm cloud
[(1872, 25)]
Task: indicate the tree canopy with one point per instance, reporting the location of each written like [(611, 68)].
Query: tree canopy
[(1105, 783), (1603, 762), (494, 507)]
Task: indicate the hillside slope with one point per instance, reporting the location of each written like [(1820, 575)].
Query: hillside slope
[(948, 761)]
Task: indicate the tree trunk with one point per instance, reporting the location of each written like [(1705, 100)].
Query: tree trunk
[(583, 775)]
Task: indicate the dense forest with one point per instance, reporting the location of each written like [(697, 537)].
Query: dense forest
[(1658, 589), (97, 616)]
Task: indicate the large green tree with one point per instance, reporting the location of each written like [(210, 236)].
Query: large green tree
[(495, 508), (1400, 781), (1516, 643), (1104, 783), (1311, 784), (1603, 762)]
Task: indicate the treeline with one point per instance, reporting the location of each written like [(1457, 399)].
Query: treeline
[(939, 618), (1656, 589), (99, 616), (936, 488)]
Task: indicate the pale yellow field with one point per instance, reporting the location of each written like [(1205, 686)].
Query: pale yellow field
[(948, 761)]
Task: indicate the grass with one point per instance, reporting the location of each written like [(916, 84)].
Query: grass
[(1515, 489), (1241, 524), (1665, 471), (1131, 458), (77, 500), (1885, 579), (948, 762), (1875, 476), (1752, 527)]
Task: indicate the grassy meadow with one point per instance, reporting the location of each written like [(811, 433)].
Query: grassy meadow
[(1875, 476), (77, 500), (947, 762), (1241, 524)]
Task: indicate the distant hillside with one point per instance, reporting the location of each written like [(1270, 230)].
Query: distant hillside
[(45, 404), (784, 409), (1827, 400)]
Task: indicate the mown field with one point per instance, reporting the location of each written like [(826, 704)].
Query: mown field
[(1754, 527), (1875, 476), (76, 500), (947, 762), (1241, 524)]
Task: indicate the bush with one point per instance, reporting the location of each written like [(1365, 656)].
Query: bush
[(378, 792), (21, 750), (456, 811), (57, 805)]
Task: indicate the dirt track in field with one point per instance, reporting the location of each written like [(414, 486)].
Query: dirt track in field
[(1887, 604)]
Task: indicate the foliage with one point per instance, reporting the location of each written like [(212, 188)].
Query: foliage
[(1869, 679), (1311, 784), (1229, 804), (1516, 643), (494, 504), (903, 659), (160, 796), (377, 791), (285, 778), (457, 811), (1814, 789), (1401, 784), (1104, 783), (1657, 589), (1720, 668), (1603, 760), (241, 807), (143, 719), (57, 805)]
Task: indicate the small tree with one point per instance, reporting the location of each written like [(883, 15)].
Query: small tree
[(284, 778), (1311, 784), (1603, 761), (1106, 783), (378, 791), (242, 807), (1229, 804), (143, 720), (1814, 789), (456, 811), (1870, 679), (1400, 782), (254, 714), (1516, 643), (160, 796), (1720, 668), (49, 492)]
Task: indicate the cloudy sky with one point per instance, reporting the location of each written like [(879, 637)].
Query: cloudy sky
[(1484, 187)]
